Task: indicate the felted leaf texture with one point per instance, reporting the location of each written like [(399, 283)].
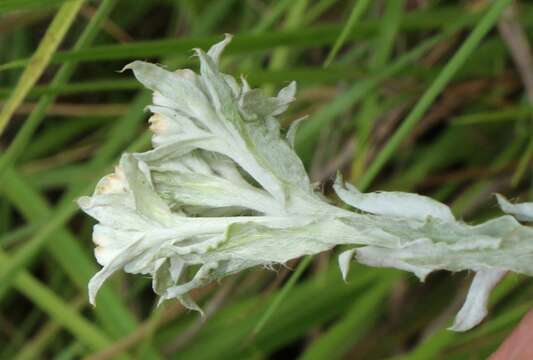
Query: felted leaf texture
[(222, 191)]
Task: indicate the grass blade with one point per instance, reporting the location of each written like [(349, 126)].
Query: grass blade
[(357, 11), (57, 309), (337, 340), (282, 295), (461, 56), (30, 125), (245, 42), (40, 59)]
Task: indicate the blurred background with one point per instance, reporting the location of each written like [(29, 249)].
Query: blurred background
[(425, 96)]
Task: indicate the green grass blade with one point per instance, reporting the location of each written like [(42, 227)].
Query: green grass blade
[(522, 167), (318, 9), (310, 129), (57, 309), (18, 5), (34, 348), (282, 295), (23, 136), (8, 238), (40, 59), (32, 247), (511, 113), (313, 302), (445, 76), (248, 42), (357, 11), (338, 339), (66, 250), (274, 14), (371, 107), (303, 75)]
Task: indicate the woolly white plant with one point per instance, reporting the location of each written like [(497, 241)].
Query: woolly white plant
[(223, 191)]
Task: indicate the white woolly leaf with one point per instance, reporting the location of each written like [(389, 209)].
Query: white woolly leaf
[(474, 309), (393, 203), (522, 212), (293, 128), (344, 262)]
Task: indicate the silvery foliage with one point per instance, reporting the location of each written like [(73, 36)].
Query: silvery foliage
[(223, 191)]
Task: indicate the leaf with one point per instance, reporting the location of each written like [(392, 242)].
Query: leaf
[(474, 309), (522, 212), (344, 262), (393, 203), (293, 128)]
